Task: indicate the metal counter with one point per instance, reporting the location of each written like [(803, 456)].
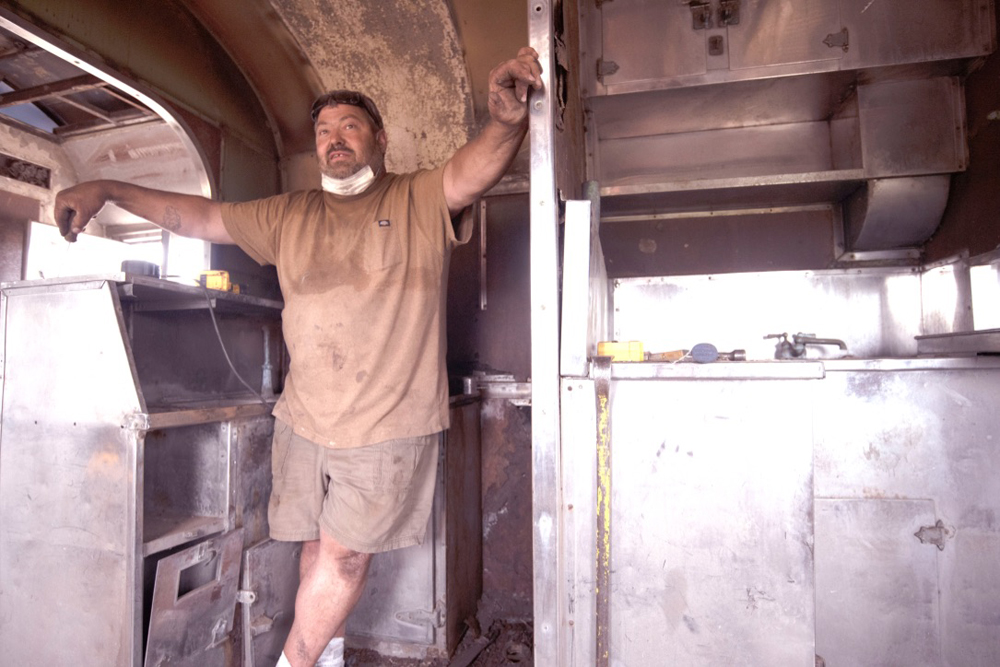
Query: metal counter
[(767, 513), (135, 471)]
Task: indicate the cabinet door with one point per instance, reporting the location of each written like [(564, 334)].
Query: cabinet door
[(194, 599), (271, 578), (919, 31), (650, 40), (785, 32), (867, 558)]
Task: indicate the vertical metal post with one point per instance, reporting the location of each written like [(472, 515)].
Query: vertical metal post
[(544, 239), (602, 585), (482, 254)]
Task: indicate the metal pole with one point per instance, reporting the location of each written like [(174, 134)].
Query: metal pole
[(544, 209)]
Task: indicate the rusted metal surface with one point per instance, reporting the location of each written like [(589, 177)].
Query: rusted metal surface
[(463, 530), (602, 583), (406, 56), (507, 566)]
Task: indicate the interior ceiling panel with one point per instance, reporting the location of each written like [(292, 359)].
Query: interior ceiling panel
[(406, 56), (73, 101)]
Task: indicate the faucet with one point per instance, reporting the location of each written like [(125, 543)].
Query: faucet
[(796, 348)]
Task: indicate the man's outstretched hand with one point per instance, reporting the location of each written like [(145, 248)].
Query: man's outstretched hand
[(509, 85), (77, 206)]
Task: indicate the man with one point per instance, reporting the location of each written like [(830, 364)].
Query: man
[(363, 267)]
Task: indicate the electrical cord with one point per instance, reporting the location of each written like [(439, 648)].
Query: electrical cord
[(218, 334)]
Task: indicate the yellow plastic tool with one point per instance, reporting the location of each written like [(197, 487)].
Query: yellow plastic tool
[(218, 280), (630, 350)]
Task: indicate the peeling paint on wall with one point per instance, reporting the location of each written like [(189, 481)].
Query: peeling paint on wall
[(34, 149), (406, 56)]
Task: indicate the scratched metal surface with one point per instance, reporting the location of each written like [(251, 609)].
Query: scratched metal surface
[(916, 437), (711, 523)]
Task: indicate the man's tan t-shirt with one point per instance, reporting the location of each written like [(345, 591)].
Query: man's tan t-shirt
[(364, 280)]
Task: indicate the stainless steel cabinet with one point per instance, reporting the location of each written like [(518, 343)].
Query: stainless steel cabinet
[(760, 520), (748, 105), (134, 468), (649, 45), (134, 479)]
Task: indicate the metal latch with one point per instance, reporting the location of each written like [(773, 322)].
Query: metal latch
[(701, 15)]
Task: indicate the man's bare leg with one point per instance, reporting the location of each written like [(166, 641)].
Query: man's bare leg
[(331, 580)]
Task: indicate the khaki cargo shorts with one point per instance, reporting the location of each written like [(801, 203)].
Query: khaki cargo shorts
[(370, 499)]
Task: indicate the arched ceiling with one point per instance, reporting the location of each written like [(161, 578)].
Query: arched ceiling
[(243, 74), (408, 55)]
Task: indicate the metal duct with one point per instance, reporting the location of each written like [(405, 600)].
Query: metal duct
[(890, 213)]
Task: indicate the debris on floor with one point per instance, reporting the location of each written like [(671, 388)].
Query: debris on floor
[(506, 644)]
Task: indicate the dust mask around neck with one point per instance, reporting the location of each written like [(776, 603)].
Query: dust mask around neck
[(354, 184)]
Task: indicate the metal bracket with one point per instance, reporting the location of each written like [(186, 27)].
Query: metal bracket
[(836, 39), (701, 15), (504, 387), (137, 421), (246, 597), (263, 624), (729, 12), (482, 254), (421, 617), (220, 633), (605, 68)]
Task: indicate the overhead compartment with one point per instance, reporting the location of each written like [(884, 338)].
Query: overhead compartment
[(762, 106)]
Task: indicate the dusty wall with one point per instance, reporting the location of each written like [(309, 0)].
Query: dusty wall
[(43, 153)]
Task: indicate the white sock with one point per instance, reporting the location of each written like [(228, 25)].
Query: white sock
[(333, 654), (283, 661)]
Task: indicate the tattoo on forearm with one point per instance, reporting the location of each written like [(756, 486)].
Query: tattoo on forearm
[(171, 219)]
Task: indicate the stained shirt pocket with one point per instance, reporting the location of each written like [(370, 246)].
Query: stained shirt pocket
[(382, 247)]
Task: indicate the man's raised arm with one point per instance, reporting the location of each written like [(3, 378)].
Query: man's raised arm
[(478, 165), (187, 215)]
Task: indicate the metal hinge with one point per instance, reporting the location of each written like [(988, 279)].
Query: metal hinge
[(701, 14), (729, 12), (605, 68), (836, 39), (936, 534)]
